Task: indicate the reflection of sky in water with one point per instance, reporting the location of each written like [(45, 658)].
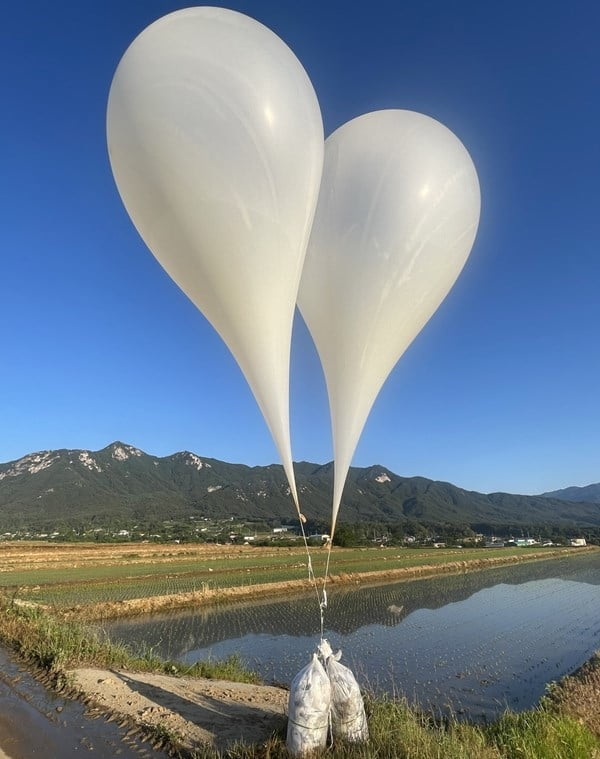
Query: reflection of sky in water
[(469, 642)]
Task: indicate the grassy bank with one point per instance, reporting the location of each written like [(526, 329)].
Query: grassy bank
[(398, 731), (52, 645), (565, 726), (579, 695)]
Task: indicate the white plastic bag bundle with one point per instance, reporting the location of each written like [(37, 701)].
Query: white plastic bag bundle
[(308, 709), (348, 718)]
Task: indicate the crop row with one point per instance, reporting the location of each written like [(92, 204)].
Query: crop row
[(87, 585)]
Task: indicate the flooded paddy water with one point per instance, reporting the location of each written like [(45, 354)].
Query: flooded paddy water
[(471, 644)]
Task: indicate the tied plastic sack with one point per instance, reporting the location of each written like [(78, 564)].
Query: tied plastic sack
[(308, 709), (348, 718)]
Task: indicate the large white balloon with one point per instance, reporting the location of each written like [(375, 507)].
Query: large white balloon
[(216, 145), (397, 216)]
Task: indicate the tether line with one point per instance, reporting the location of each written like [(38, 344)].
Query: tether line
[(311, 574)]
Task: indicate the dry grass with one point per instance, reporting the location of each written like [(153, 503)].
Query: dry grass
[(579, 695), (22, 555)]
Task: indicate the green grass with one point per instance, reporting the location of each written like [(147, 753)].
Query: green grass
[(542, 733), (397, 731), (54, 645)]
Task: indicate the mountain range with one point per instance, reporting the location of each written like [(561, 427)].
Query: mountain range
[(589, 493), (123, 481)]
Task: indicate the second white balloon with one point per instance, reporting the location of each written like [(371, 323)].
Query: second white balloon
[(397, 216)]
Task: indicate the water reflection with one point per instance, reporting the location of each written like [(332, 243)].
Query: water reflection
[(471, 642)]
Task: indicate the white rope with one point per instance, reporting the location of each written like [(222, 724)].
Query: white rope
[(325, 578), (322, 594), (311, 575)]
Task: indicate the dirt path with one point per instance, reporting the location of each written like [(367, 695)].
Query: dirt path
[(196, 711)]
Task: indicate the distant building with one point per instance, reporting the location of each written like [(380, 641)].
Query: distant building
[(577, 542), (524, 542)]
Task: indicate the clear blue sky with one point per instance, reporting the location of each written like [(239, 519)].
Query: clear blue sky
[(501, 391)]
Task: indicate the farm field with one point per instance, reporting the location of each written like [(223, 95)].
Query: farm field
[(467, 643), (69, 575), (368, 615)]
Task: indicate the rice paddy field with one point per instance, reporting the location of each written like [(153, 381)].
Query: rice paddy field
[(460, 643), (467, 645), (64, 576)]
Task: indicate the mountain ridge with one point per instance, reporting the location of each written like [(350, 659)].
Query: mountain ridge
[(587, 493), (121, 480)]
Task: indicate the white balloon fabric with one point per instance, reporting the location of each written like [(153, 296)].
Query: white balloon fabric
[(396, 219), (216, 145)]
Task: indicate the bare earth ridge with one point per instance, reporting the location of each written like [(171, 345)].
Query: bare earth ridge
[(196, 710)]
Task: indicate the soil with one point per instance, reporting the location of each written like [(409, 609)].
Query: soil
[(23, 555), (195, 711)]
